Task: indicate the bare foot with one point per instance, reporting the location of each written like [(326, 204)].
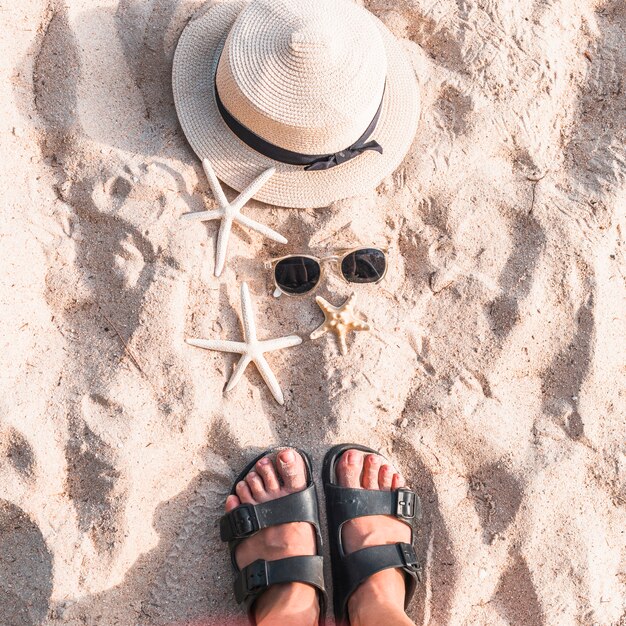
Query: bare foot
[(294, 603), (383, 593)]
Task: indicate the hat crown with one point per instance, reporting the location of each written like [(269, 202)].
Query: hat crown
[(312, 47), (310, 42), (306, 75)]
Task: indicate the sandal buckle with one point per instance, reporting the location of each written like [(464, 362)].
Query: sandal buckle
[(405, 503), (244, 521), (409, 558), (256, 576)]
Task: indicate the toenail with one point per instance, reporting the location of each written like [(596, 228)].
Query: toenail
[(353, 457), (264, 461), (252, 475), (287, 457)]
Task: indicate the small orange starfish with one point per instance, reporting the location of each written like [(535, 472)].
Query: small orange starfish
[(339, 320)]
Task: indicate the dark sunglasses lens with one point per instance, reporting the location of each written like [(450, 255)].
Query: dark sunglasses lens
[(297, 274), (364, 266)]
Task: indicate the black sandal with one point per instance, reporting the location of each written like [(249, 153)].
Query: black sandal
[(344, 504), (248, 519)]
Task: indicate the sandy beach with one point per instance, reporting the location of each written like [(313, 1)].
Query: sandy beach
[(494, 373)]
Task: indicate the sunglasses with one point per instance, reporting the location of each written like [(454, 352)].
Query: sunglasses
[(297, 274)]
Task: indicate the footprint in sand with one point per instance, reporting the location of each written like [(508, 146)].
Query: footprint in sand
[(25, 569), (16, 449)]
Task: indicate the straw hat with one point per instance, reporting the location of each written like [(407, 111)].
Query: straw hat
[(318, 89)]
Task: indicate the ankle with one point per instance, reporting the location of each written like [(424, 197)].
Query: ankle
[(378, 614), (286, 605), (380, 599)]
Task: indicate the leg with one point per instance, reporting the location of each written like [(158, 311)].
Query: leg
[(380, 599)]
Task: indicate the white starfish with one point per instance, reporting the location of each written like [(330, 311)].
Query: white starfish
[(251, 349), (230, 212)]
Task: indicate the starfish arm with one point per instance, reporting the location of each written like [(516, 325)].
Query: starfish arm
[(217, 344), (247, 315), (266, 231), (361, 325), (249, 192), (216, 188), (343, 346), (270, 345), (326, 306), (319, 331), (222, 245), (202, 216), (240, 368), (269, 378)]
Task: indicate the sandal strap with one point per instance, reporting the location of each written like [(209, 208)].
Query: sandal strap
[(248, 519), (358, 566), (255, 578), (347, 504)]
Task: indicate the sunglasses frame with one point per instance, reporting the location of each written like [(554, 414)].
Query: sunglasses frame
[(336, 259)]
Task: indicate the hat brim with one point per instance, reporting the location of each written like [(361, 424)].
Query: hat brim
[(236, 164)]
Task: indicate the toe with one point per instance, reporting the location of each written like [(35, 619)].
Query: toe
[(349, 469), (385, 477), (291, 469), (254, 482), (397, 482), (232, 502), (267, 472), (370, 471), (244, 493)]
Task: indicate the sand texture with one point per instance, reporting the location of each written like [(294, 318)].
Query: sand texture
[(495, 373)]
